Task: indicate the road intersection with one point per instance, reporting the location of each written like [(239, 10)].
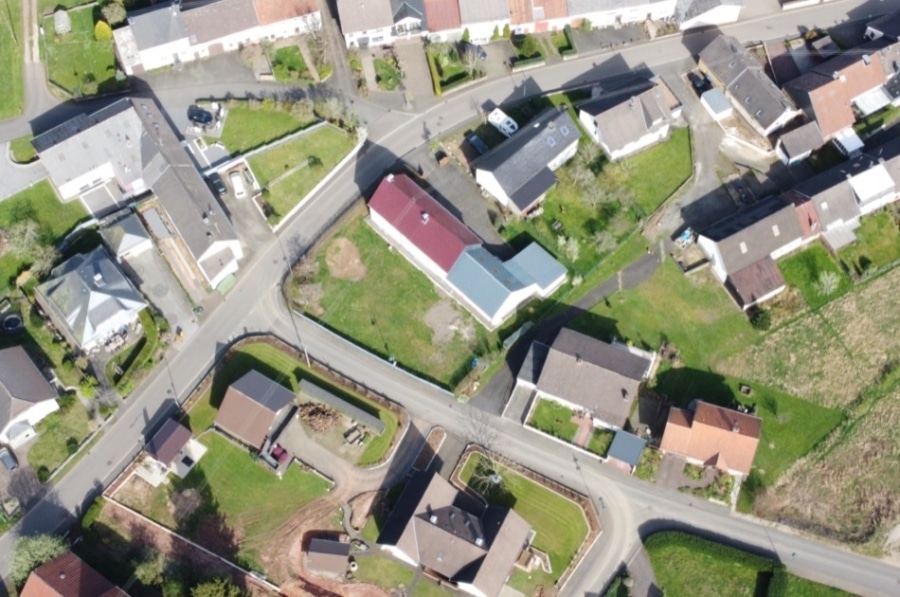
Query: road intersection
[(255, 305)]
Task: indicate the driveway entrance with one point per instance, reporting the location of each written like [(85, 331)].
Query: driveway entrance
[(417, 78)]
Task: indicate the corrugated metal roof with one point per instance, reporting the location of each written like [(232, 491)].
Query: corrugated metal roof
[(336, 402)]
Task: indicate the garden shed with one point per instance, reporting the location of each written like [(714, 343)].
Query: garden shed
[(62, 24)]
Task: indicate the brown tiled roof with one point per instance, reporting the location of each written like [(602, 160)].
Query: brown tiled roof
[(168, 441), (553, 9), (717, 436), (757, 280), (273, 11), (249, 407), (597, 376), (442, 15), (68, 576), (520, 12), (829, 89)]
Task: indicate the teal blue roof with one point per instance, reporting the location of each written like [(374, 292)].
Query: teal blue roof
[(534, 263), (484, 280)]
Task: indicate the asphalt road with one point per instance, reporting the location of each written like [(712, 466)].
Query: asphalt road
[(254, 305)]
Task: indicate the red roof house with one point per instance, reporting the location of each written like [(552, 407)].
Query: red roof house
[(713, 436), (442, 15), (68, 576), (415, 222)]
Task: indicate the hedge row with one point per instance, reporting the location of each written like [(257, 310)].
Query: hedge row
[(572, 50), (148, 348), (435, 74), (526, 62)]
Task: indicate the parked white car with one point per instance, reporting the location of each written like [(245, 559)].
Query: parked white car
[(502, 122), (237, 183)]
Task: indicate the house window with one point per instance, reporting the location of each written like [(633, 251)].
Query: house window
[(775, 230), (743, 247)]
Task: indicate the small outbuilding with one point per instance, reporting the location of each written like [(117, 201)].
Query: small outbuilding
[(62, 24), (625, 451), (716, 104), (327, 557)]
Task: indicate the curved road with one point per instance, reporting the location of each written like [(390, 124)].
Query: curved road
[(254, 305)]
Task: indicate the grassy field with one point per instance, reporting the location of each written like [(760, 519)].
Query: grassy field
[(387, 321), (386, 75), (21, 150), (288, 64), (75, 57), (426, 588), (689, 566), (555, 419), (671, 165), (38, 203), (804, 271), (286, 370), (383, 572), (877, 243), (288, 172), (12, 98), (247, 129), (55, 433), (600, 441), (559, 524), (38, 340), (243, 502)]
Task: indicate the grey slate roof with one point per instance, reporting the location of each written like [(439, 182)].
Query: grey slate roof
[(484, 279), (580, 7), (802, 139), (599, 377), (125, 234), (21, 384), (717, 100), (520, 163), (626, 447), (336, 402), (888, 25), (87, 292), (264, 391), (364, 15), (533, 364), (750, 234), (408, 9), (157, 25), (481, 11), (689, 9), (166, 443), (625, 118), (534, 263), (111, 135)]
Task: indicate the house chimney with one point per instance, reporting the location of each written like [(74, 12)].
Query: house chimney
[(479, 541), (735, 428), (390, 178), (867, 60), (425, 217), (578, 359), (433, 518)]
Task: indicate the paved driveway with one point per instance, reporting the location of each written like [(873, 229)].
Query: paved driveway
[(416, 75), (18, 177), (158, 284)]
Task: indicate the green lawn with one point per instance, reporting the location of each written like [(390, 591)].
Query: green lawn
[(54, 433), (386, 75), (247, 129), (448, 66), (286, 370), (243, 497), (288, 64), (303, 162), (21, 150), (600, 441), (689, 566), (555, 419), (559, 524), (75, 57), (426, 588), (877, 243), (874, 122), (804, 270), (384, 312), (383, 572), (671, 165), (560, 42), (12, 98), (648, 465), (38, 203)]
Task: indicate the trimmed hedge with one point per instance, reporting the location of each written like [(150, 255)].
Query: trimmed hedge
[(435, 74), (708, 548), (572, 50), (526, 62)]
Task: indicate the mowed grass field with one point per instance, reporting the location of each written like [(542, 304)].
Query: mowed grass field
[(247, 129), (559, 523), (13, 96), (805, 270), (55, 432), (877, 243), (689, 566), (72, 57)]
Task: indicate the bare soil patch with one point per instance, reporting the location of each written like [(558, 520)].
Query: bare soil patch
[(343, 260), (446, 322), (183, 504), (138, 494), (362, 506)]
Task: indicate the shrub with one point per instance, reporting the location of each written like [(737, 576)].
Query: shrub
[(528, 47), (217, 587), (92, 513), (88, 387), (435, 74), (465, 35), (496, 34), (43, 474), (102, 31), (114, 13), (586, 25), (66, 401), (32, 552), (71, 445), (761, 320), (506, 32)]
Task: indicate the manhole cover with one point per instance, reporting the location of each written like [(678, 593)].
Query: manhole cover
[(160, 289)]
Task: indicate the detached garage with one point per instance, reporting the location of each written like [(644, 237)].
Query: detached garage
[(716, 104)]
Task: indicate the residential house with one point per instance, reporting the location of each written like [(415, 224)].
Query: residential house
[(834, 92), (886, 26), (711, 435), (171, 33), (690, 14), (798, 144), (68, 576), (89, 299), (128, 149), (26, 398), (453, 257), (429, 528), (327, 557), (615, 13), (741, 77), (442, 20), (519, 172), (126, 237), (409, 17), (589, 375), (483, 18), (254, 409), (625, 451), (366, 24), (538, 16), (625, 122), (172, 449), (742, 249)]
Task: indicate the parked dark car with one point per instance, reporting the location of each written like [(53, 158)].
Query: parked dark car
[(476, 142), (478, 50), (8, 460), (198, 115), (217, 184), (700, 83)]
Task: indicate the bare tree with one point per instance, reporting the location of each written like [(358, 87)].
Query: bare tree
[(828, 283), (604, 241), (470, 62), (303, 110), (480, 428), (23, 238), (42, 260)]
